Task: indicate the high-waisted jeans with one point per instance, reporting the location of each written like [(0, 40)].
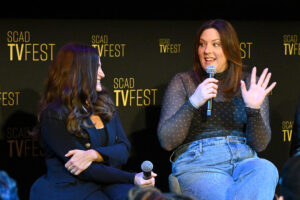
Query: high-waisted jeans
[(224, 168)]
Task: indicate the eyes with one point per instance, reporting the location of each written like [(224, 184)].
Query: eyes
[(214, 44)]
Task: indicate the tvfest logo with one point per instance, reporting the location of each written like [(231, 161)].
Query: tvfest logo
[(9, 98), (291, 45), (21, 144), (166, 47), (22, 48), (127, 94), (287, 130), (106, 48)]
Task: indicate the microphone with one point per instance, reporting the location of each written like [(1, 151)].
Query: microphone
[(211, 70), (147, 167)]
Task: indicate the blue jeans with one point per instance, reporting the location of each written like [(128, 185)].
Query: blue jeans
[(222, 168)]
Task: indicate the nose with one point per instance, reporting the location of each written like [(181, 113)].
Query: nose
[(208, 49), (100, 73)]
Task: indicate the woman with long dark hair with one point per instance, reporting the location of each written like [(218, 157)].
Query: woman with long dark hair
[(81, 133), (215, 156)]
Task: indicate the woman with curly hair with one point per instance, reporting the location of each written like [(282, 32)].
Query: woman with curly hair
[(81, 133)]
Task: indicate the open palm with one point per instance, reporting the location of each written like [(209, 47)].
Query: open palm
[(255, 95)]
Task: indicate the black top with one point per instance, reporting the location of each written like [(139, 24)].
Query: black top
[(59, 183), (181, 123), (102, 133)]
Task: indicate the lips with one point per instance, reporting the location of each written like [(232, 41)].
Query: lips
[(209, 59)]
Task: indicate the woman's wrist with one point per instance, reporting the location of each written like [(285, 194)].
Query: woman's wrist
[(95, 155), (194, 102)]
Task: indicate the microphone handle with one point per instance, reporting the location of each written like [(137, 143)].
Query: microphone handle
[(209, 102), (147, 175), (209, 107)]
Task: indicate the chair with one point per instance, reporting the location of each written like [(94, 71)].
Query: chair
[(174, 185)]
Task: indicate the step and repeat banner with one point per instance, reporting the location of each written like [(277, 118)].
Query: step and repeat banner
[(139, 58)]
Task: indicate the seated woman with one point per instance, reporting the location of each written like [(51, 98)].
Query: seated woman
[(81, 133), (216, 155)]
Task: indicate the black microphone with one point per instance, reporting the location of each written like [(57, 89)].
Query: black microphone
[(211, 70), (147, 167)]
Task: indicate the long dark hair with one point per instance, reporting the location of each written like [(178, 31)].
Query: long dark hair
[(231, 49), (72, 83)]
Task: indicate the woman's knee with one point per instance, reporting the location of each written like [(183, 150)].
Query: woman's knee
[(262, 168), (268, 168)]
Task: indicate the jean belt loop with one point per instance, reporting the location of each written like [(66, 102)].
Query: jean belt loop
[(200, 147), (170, 159)]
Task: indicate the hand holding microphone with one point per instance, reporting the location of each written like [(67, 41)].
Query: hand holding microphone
[(147, 167), (206, 90), (146, 177)]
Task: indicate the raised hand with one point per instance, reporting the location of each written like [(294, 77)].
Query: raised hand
[(255, 95)]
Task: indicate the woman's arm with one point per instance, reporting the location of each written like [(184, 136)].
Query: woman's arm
[(176, 115), (60, 141), (258, 131)]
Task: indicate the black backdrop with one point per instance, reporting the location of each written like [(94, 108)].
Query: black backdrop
[(141, 49)]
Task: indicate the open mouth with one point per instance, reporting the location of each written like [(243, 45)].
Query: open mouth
[(209, 59)]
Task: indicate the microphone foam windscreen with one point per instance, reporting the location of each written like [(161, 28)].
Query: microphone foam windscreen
[(211, 69), (147, 166)]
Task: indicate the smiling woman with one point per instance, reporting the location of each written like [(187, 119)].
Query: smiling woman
[(215, 156), (81, 132), (210, 50)]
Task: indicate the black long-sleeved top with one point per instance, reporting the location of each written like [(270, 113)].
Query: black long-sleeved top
[(59, 183), (180, 122)]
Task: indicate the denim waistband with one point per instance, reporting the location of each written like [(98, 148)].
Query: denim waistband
[(219, 140), (207, 142)]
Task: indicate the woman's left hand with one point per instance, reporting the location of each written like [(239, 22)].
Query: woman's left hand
[(80, 160), (257, 92)]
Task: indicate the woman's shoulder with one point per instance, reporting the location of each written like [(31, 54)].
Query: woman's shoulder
[(56, 111), (182, 83), (115, 117), (183, 77)]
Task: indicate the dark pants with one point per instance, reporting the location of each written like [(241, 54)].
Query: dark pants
[(111, 192)]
